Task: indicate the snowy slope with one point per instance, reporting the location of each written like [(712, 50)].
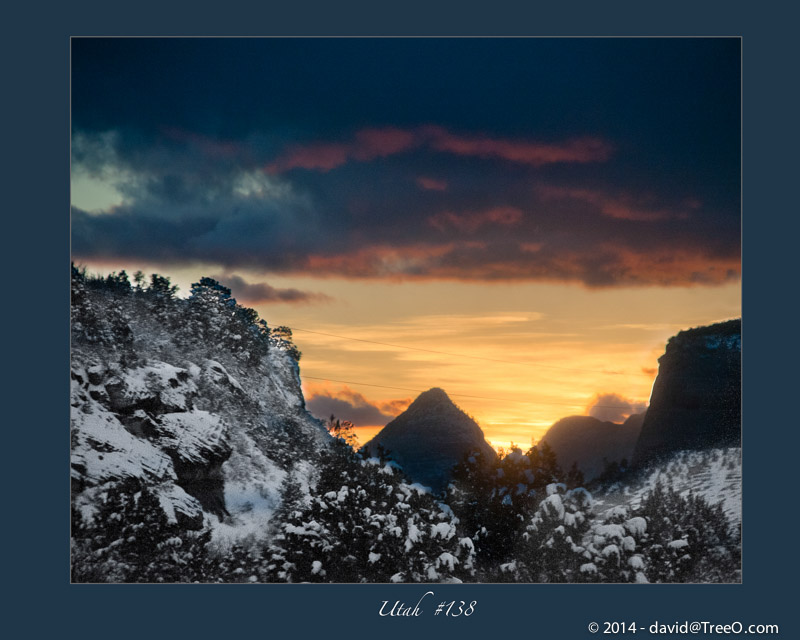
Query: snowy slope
[(214, 438), (714, 474)]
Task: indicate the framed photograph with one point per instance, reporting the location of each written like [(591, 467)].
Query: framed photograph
[(406, 310)]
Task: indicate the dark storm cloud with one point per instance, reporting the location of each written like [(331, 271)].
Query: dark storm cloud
[(415, 159), (261, 292)]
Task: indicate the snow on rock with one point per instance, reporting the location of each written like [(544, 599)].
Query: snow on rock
[(194, 436), (179, 506), (103, 450), (154, 386), (211, 436), (218, 373)]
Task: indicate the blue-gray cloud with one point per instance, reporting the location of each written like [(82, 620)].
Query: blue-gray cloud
[(304, 173), (261, 292), (350, 405)]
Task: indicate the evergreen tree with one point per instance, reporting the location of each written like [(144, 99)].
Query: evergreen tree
[(551, 548), (129, 539), (214, 318), (687, 539), (365, 524)]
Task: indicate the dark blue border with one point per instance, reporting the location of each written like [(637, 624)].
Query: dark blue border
[(36, 66)]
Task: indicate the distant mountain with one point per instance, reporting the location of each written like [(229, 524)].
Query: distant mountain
[(696, 400), (590, 442), (430, 437)]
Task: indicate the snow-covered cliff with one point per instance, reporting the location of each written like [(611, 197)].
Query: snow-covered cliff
[(212, 429)]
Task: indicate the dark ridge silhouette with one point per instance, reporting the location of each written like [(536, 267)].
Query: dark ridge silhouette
[(430, 437), (590, 443), (696, 400)]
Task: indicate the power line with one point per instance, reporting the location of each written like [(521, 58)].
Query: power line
[(461, 395), (464, 355)]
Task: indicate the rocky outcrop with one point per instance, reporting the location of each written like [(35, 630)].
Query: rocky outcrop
[(696, 399), (590, 443), (211, 437), (430, 437)]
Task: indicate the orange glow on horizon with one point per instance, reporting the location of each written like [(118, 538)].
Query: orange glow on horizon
[(517, 357)]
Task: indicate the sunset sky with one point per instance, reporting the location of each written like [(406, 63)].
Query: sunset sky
[(522, 222)]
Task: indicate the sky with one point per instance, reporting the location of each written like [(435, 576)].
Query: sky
[(523, 222)]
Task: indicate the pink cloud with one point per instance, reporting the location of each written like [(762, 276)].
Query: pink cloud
[(371, 143), (576, 150), (474, 220), (431, 184), (379, 143), (601, 266), (368, 144), (322, 157), (621, 207)]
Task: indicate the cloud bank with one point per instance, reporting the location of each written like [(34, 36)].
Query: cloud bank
[(261, 292), (347, 404), (613, 407), (501, 160)]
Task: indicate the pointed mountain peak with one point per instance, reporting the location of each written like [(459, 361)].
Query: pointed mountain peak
[(435, 395), (430, 437)]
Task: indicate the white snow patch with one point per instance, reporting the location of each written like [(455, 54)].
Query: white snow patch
[(448, 560), (636, 526), (443, 530), (554, 500)]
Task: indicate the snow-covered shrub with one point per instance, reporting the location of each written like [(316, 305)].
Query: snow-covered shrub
[(495, 500), (129, 539), (362, 525), (551, 548), (687, 539)]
